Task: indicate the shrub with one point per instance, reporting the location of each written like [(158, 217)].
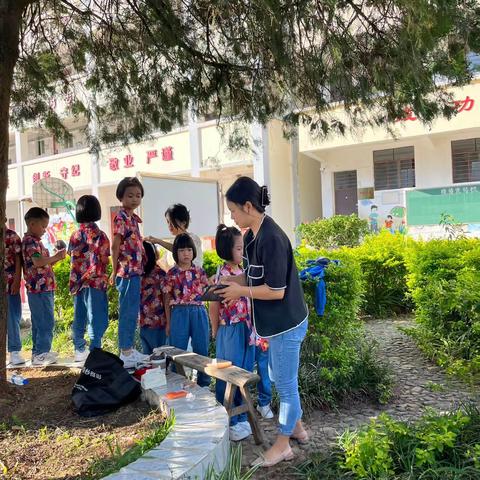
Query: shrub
[(444, 281), (337, 361), (210, 262), (334, 232), (435, 446), (384, 272)]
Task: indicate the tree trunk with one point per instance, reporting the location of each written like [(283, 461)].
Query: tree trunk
[(10, 18)]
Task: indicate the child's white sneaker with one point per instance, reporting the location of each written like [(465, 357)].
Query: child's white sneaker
[(245, 426), (265, 411), (44, 359), (238, 433), (131, 359), (81, 356), (16, 358)]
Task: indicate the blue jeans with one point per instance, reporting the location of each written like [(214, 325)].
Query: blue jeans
[(13, 322), (152, 338), (232, 344), (91, 313), (264, 386), (128, 310), (43, 321), (284, 359), (191, 321)]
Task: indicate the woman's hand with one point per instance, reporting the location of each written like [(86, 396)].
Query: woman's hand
[(233, 291)]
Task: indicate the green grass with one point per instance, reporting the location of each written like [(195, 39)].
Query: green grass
[(233, 470), (105, 466)]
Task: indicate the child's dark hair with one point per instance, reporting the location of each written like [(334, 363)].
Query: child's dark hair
[(88, 209), (125, 183), (184, 240), (245, 189), (177, 214), (151, 257), (36, 213), (224, 241)]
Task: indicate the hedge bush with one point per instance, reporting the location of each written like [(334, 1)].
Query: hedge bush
[(210, 262), (337, 361), (444, 281), (384, 273), (434, 447), (334, 232)]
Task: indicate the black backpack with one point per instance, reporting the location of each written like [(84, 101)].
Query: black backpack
[(104, 385)]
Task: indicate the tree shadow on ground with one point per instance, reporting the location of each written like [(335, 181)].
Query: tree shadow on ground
[(46, 402)]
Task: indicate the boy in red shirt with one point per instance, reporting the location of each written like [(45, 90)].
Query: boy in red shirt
[(40, 284)]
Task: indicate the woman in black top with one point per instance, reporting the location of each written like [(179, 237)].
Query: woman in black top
[(278, 305)]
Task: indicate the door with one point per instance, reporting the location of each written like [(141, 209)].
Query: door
[(346, 199)]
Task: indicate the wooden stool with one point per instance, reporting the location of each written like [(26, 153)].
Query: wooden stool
[(234, 377)]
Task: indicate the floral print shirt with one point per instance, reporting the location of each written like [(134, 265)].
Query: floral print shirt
[(129, 262), (89, 249), (37, 279), (185, 286), (13, 247), (261, 343), (238, 311), (152, 310)]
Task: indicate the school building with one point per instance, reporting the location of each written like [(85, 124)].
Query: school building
[(198, 150), (401, 183)]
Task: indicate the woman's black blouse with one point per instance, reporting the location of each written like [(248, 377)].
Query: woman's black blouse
[(269, 260)]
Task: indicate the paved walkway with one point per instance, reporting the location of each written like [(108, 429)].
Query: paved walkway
[(419, 384)]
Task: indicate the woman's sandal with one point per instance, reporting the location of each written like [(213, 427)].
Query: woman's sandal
[(301, 438), (286, 455)]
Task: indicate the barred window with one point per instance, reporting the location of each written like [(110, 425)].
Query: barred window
[(466, 160), (394, 168)]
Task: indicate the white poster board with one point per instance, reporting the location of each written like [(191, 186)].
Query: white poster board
[(200, 196)]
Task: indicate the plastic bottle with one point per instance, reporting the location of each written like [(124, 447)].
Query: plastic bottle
[(18, 379)]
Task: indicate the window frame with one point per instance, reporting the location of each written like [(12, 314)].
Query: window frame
[(471, 157), (393, 163)]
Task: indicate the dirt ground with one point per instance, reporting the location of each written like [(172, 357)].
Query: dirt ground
[(41, 437)]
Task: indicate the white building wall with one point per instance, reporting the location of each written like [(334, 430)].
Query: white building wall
[(310, 186)]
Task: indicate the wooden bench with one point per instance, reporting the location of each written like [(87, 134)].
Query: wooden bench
[(234, 377)]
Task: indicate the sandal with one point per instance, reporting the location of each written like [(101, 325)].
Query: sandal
[(286, 455)]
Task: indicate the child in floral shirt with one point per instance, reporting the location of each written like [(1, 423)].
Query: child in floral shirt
[(152, 311), (127, 263), (232, 325), (89, 249), (186, 316), (40, 284), (13, 275)]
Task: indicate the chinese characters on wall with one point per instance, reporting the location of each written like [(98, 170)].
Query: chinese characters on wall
[(464, 105), (128, 161)]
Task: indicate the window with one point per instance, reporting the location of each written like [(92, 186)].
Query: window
[(394, 168), (67, 143), (41, 147), (466, 160)]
